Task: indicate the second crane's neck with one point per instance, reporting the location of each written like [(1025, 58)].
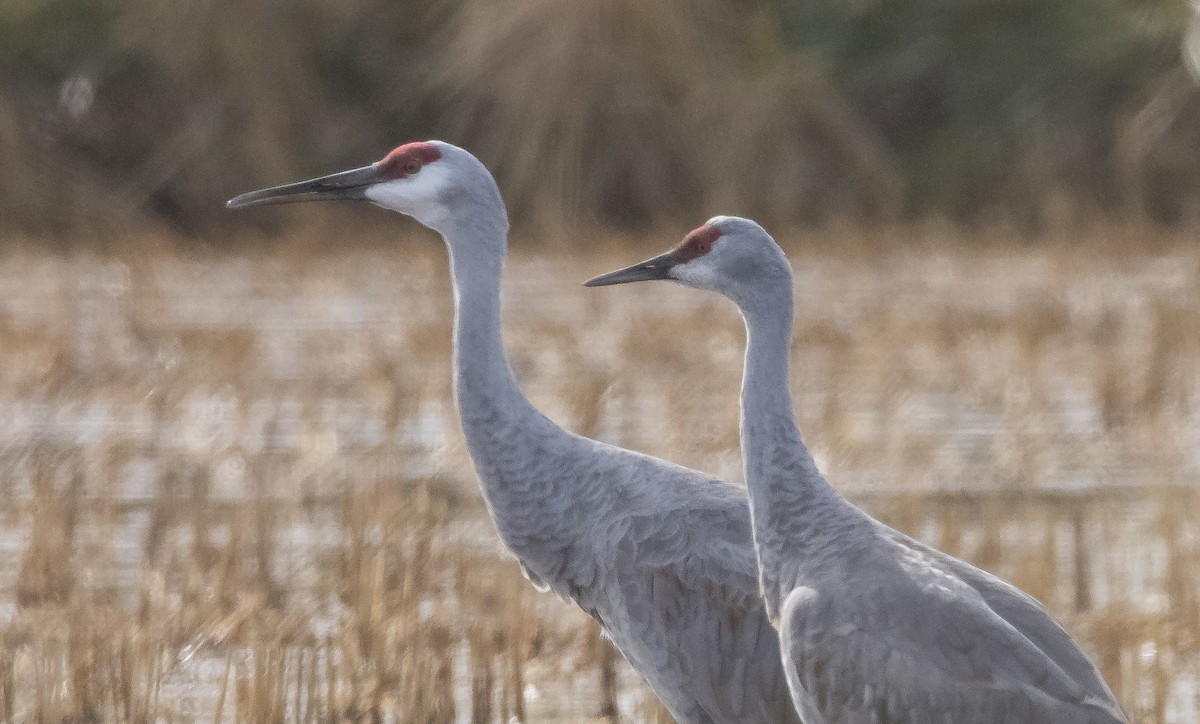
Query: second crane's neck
[(794, 509)]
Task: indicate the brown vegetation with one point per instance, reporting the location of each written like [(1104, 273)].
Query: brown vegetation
[(233, 489)]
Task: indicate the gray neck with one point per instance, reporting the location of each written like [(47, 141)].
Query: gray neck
[(481, 369), (516, 449), (486, 391), (790, 501)]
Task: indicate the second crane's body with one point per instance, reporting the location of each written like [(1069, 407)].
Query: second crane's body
[(875, 627), (661, 555)]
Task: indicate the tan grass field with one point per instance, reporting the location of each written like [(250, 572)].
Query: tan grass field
[(232, 485)]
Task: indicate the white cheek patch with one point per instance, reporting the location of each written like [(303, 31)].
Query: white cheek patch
[(698, 273), (389, 194), (412, 194)]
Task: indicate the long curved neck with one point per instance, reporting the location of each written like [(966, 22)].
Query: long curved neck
[(481, 369), (517, 451), (790, 501), (486, 391)]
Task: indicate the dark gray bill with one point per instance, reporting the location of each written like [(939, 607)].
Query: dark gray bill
[(349, 185), (657, 268)]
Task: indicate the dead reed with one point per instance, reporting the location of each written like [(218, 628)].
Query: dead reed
[(233, 489)]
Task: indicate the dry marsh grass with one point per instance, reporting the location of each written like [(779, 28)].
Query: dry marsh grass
[(233, 488)]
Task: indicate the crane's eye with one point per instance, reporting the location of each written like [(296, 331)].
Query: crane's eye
[(411, 166)]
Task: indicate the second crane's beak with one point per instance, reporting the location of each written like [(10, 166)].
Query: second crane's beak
[(347, 185), (657, 268)]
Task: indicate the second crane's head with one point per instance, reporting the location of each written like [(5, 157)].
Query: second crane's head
[(436, 183), (730, 255)]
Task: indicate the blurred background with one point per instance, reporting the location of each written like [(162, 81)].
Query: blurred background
[(621, 113), (232, 483)]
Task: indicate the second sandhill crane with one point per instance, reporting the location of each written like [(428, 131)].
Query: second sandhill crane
[(875, 627), (662, 556)]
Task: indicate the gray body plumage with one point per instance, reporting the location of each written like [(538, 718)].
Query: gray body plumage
[(662, 556), (659, 555), (875, 628)]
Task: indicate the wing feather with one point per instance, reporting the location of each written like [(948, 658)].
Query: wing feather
[(1027, 616), (921, 657), (688, 587)]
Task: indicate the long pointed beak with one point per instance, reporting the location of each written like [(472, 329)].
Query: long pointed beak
[(657, 268), (347, 185)]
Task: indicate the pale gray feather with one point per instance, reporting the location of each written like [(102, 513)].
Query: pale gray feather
[(902, 633), (660, 555), (875, 627)]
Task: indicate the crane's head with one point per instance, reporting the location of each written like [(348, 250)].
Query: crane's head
[(427, 180), (728, 254)]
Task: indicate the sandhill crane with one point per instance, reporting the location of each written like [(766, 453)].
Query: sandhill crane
[(662, 556), (874, 626)]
